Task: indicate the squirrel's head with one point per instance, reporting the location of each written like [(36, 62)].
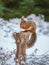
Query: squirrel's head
[(23, 23)]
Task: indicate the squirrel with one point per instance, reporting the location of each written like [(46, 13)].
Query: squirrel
[(29, 26)]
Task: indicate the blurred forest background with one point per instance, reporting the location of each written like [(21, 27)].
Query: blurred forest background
[(17, 8)]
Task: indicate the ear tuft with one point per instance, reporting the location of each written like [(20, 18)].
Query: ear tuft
[(22, 17)]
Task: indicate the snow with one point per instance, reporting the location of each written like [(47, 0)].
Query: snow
[(7, 42), (42, 44)]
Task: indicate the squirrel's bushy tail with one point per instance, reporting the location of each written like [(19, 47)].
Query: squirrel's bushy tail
[(32, 40)]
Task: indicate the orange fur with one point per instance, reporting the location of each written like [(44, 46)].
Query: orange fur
[(27, 24)]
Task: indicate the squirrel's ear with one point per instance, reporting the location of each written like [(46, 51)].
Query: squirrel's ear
[(22, 19)]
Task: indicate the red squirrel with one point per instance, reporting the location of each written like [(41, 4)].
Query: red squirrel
[(29, 26)]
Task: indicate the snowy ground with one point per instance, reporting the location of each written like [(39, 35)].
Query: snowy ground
[(36, 55)]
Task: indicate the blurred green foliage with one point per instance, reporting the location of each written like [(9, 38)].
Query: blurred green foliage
[(17, 8)]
